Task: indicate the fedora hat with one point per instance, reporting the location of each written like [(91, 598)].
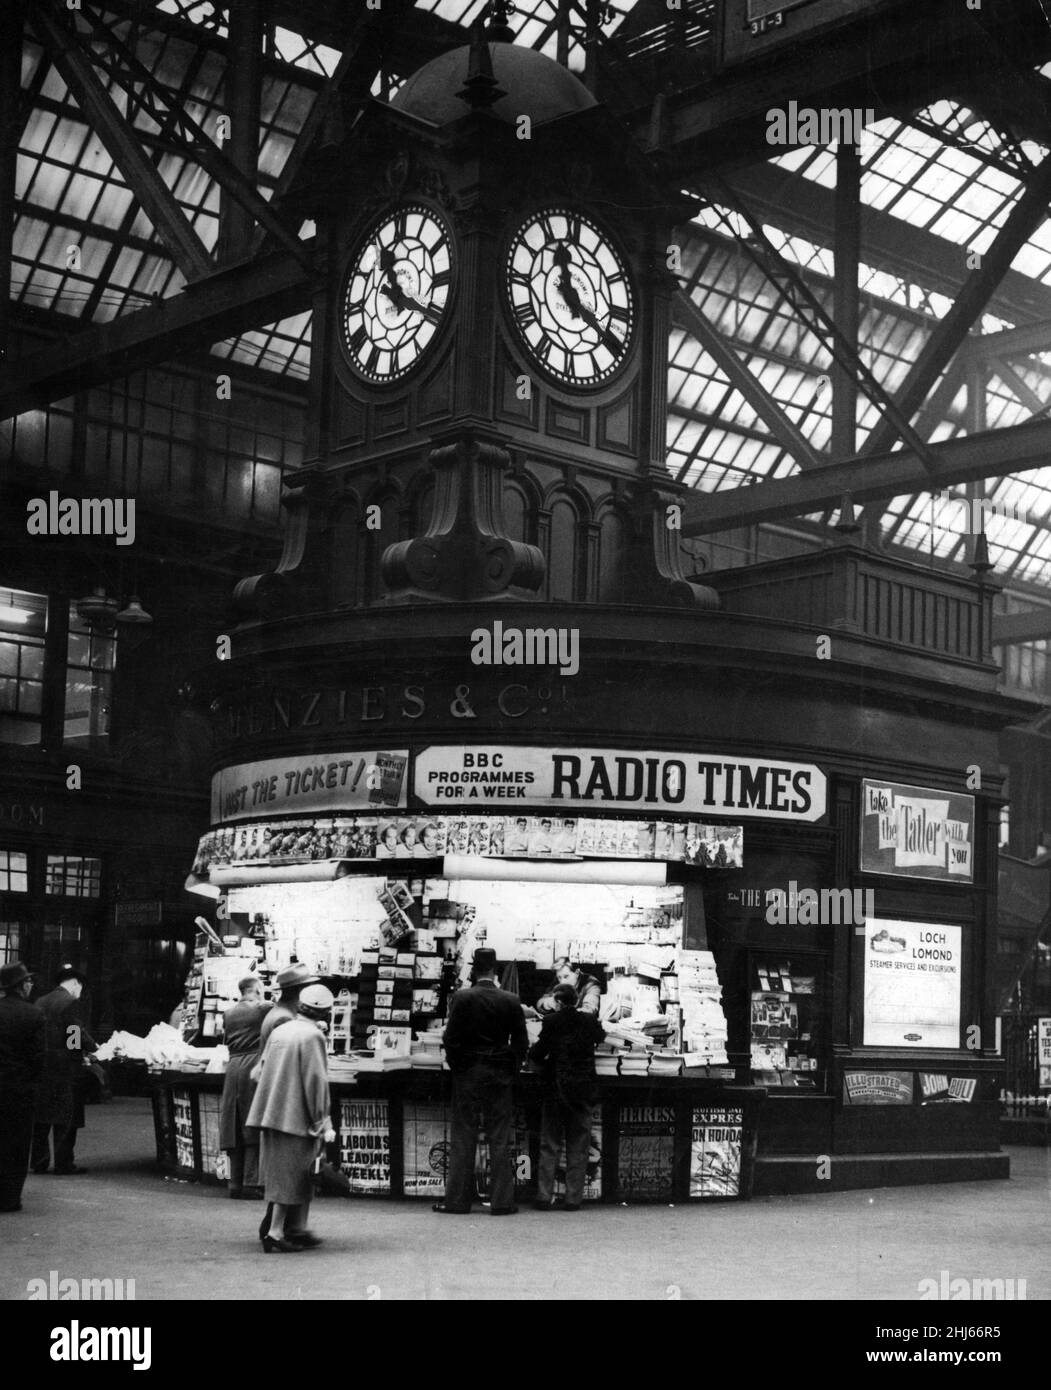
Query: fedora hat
[(14, 974), (295, 975)]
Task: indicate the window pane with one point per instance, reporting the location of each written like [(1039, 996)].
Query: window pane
[(73, 877), (14, 872), (23, 624)]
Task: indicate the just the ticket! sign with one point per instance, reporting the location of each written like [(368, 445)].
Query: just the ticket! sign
[(916, 832), (326, 782), (611, 779)]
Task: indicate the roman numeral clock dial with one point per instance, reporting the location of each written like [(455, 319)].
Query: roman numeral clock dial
[(395, 293), (569, 297)]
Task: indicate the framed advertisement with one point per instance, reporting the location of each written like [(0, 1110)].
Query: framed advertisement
[(912, 973), (916, 832), (1043, 1053)]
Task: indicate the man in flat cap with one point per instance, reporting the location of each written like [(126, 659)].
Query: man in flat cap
[(290, 982), (22, 1050), (485, 1044), (60, 1105)]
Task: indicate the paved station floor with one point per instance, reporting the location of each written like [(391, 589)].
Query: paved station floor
[(181, 1240)]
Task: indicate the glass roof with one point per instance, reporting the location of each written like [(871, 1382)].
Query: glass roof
[(83, 249)]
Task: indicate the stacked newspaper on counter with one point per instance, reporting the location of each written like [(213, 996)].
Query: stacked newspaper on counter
[(700, 999)]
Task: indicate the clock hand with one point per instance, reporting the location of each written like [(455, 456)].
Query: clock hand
[(394, 292), (432, 315), (574, 303)]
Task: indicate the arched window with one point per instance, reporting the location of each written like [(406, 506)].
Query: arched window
[(518, 515), (563, 551), (343, 564), (613, 543)]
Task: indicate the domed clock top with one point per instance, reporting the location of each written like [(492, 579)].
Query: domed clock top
[(570, 297), (395, 293)]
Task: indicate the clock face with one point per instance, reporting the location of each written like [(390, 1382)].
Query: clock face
[(395, 293), (570, 297)]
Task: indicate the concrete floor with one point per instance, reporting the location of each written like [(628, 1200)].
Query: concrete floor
[(183, 1240)]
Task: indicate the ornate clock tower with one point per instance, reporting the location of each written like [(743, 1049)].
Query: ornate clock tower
[(489, 356)]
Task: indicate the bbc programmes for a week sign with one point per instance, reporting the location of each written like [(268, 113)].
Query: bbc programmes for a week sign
[(610, 779)]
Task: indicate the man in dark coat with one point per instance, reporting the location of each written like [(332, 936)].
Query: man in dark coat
[(485, 1045), (241, 1027), (60, 1105), (566, 1051), (22, 1048)]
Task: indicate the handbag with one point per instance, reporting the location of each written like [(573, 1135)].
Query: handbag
[(330, 1181)]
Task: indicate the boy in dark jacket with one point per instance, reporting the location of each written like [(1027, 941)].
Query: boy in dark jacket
[(566, 1051)]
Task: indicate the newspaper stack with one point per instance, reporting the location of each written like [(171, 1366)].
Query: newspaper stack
[(427, 1051), (700, 998)]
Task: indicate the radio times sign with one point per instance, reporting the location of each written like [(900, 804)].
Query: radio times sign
[(916, 832), (598, 779)]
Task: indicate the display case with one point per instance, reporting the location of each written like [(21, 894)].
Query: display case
[(789, 1020)]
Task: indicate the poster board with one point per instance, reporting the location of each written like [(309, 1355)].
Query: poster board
[(716, 1145), (916, 832), (425, 1149), (364, 1145), (912, 973), (646, 1153), (1043, 1053)]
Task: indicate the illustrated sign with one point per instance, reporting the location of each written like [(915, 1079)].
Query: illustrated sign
[(1043, 1050), (619, 780), (912, 975), (715, 1151), (877, 1088), (916, 832), (327, 782)]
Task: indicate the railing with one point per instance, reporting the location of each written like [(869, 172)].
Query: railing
[(853, 590), (678, 52)]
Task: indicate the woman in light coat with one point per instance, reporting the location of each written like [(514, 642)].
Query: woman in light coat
[(292, 1112)]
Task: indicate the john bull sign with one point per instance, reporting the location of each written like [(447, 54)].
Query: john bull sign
[(619, 780), (916, 832)]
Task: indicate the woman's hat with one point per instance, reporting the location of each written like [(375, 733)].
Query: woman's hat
[(14, 974), (316, 1000), (296, 974)]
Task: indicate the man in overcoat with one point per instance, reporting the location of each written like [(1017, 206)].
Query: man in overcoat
[(485, 1045), (60, 1104), (22, 1047)]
